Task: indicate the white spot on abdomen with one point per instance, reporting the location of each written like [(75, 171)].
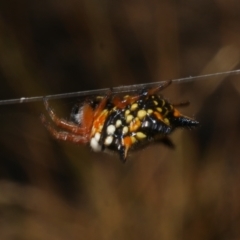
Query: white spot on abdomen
[(96, 147), (97, 136), (108, 140), (111, 129)]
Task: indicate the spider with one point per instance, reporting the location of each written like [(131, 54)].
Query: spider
[(116, 123)]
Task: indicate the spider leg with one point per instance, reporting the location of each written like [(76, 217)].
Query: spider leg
[(64, 136), (181, 104), (68, 125), (152, 91), (127, 142), (101, 105), (122, 103)]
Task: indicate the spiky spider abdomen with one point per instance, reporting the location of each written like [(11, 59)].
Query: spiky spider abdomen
[(119, 123)]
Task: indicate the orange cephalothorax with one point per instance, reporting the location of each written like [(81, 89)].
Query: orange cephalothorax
[(120, 123)]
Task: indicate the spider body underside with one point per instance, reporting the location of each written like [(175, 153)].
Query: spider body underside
[(119, 123)]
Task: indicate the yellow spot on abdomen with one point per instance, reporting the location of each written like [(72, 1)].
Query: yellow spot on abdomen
[(149, 111), (129, 118), (134, 106), (127, 112), (125, 130), (166, 121), (140, 135), (141, 114)]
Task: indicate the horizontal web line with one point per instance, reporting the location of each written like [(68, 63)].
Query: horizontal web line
[(121, 89)]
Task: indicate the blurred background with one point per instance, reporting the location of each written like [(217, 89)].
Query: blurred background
[(55, 190)]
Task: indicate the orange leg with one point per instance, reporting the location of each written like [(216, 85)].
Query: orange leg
[(87, 115), (127, 143), (122, 103), (101, 105), (65, 136), (159, 88)]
